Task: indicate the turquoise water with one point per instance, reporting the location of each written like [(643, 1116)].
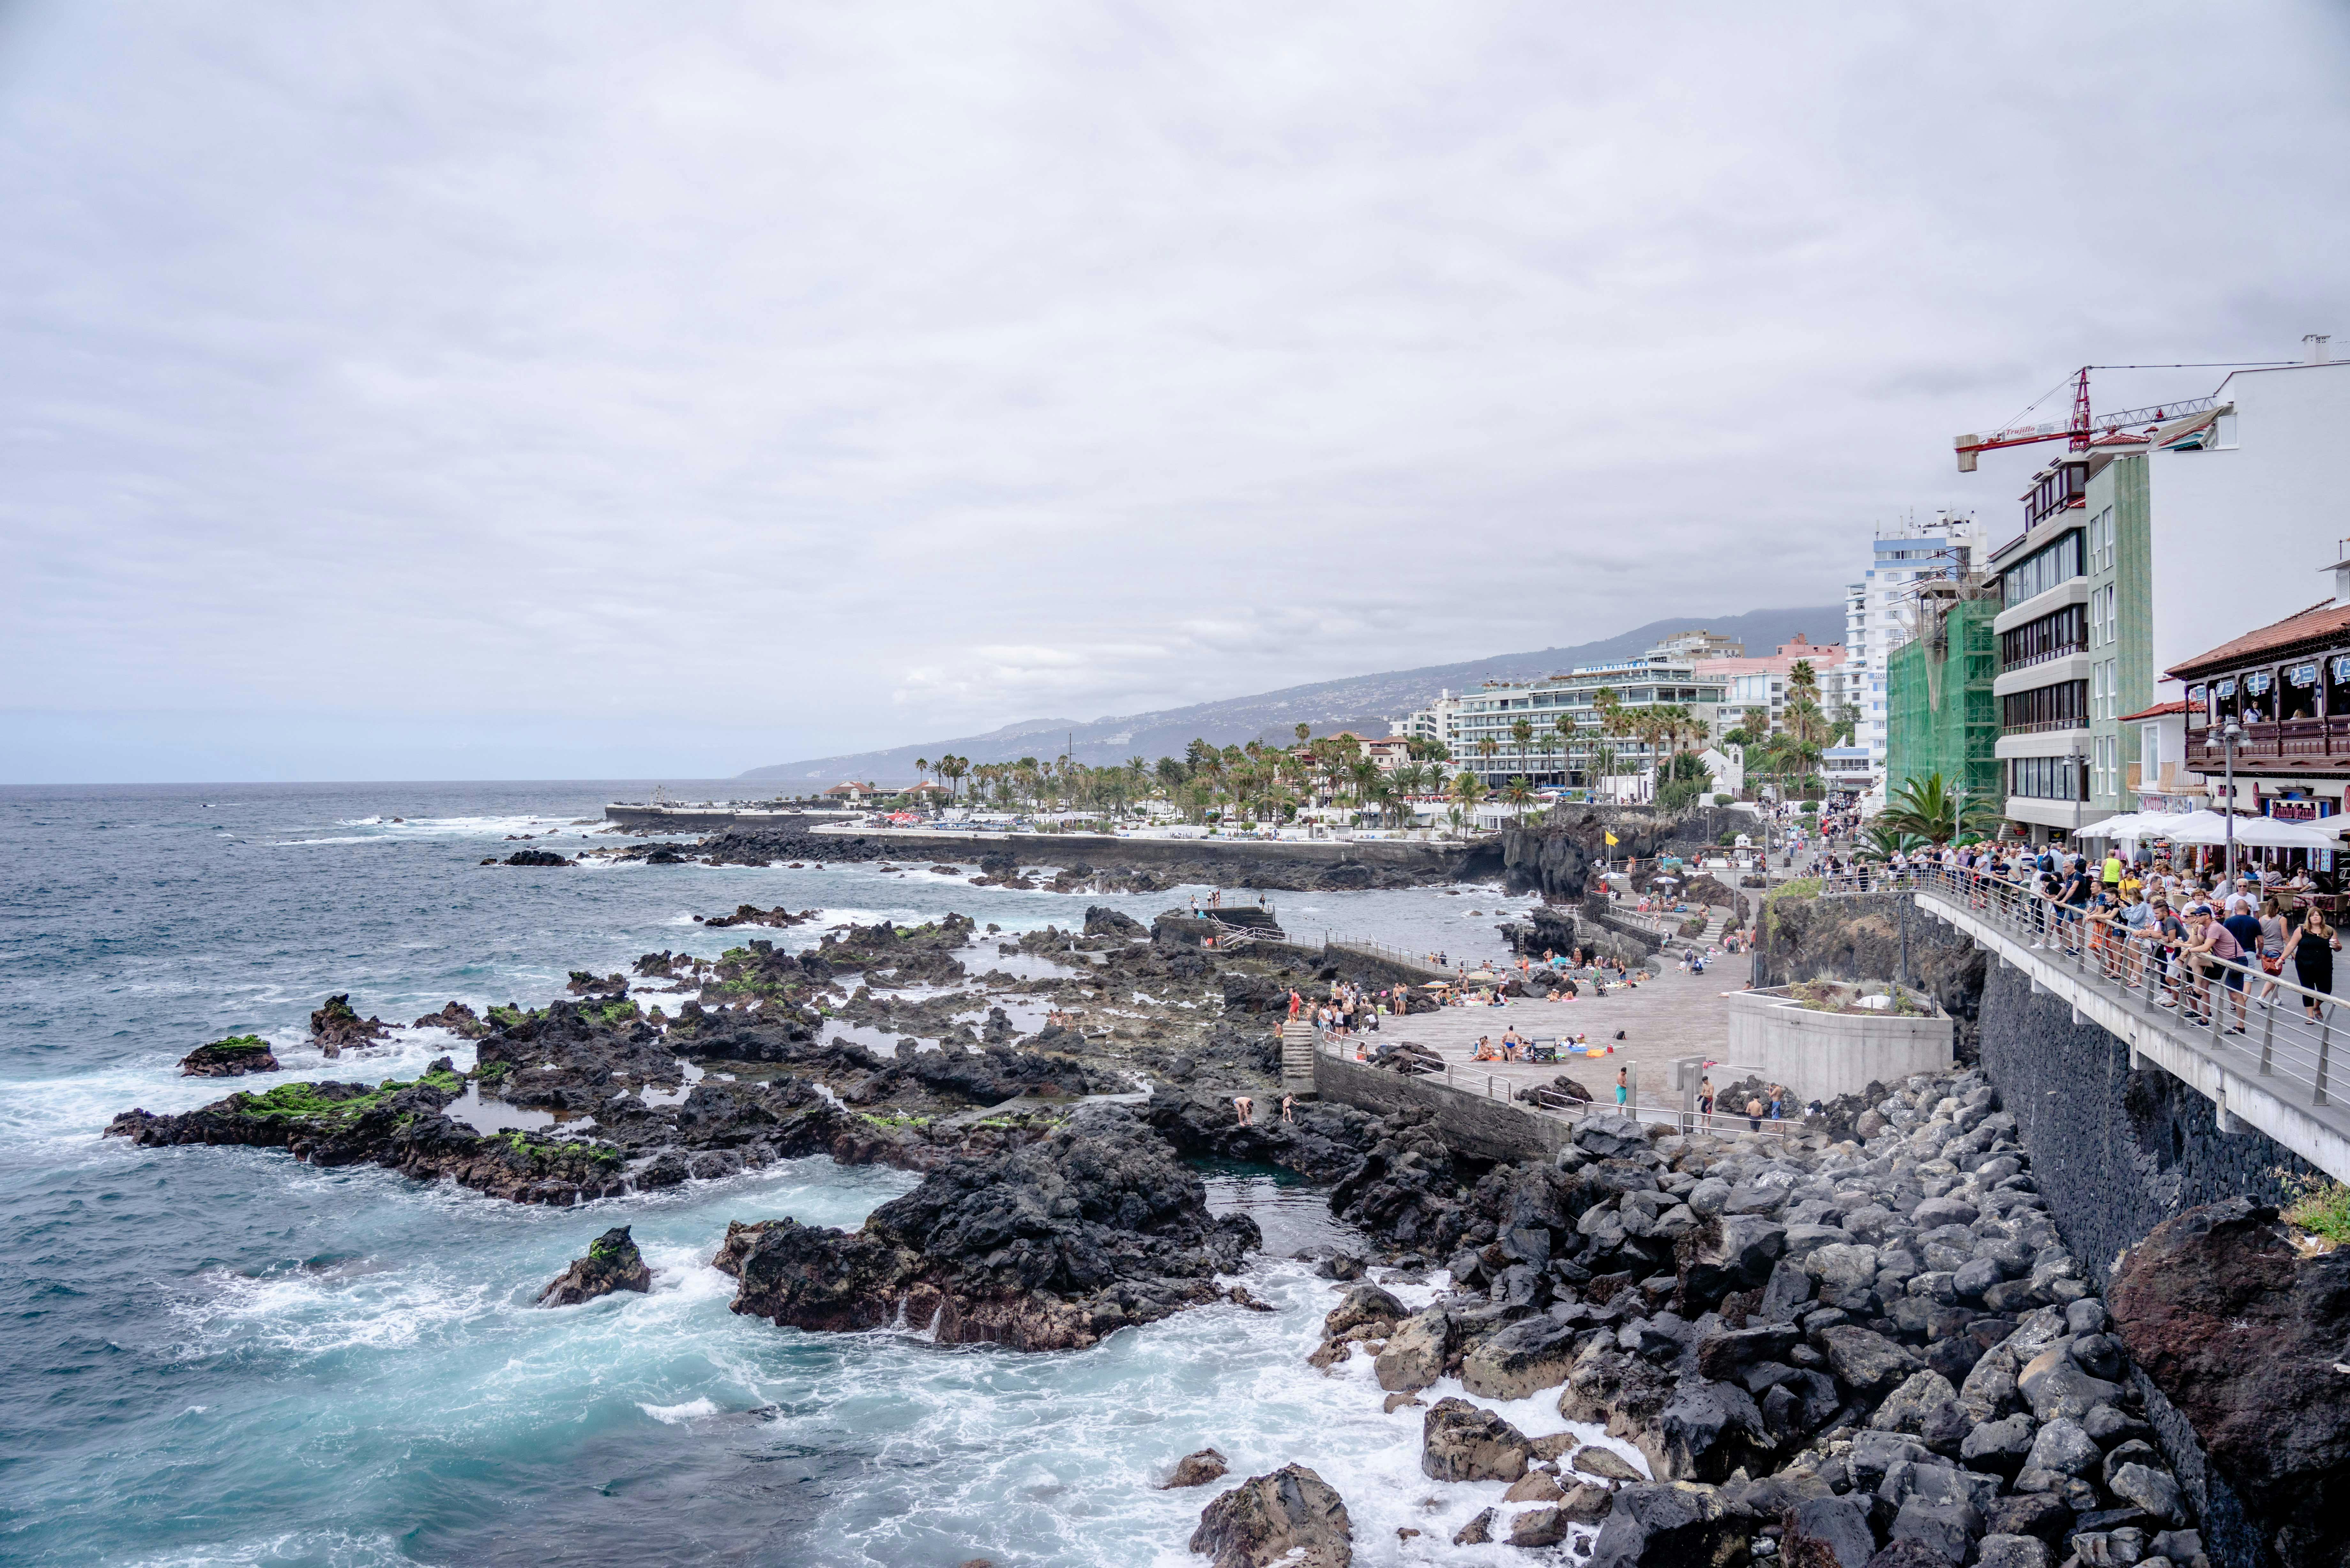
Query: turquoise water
[(221, 1355)]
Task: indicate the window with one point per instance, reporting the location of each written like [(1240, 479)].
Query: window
[(2337, 685), (2101, 615), (2113, 688), (2223, 701), (2101, 542), (2043, 569), (2101, 697), (2061, 706), (2198, 705), (2297, 690), (2047, 778), (2052, 636), (2259, 703)]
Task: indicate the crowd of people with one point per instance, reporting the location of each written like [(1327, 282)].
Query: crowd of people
[(2164, 927)]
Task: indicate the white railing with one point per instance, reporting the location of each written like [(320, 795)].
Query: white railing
[(2258, 1024)]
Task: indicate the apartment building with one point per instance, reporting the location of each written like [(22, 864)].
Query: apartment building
[(2146, 551), (1880, 613), (1761, 682), (1486, 740)]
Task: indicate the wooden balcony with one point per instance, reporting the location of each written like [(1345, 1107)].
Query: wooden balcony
[(2319, 744)]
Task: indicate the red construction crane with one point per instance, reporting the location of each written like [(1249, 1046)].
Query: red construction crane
[(2082, 428)]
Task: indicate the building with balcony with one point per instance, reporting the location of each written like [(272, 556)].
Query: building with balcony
[(2284, 694), (1439, 722), (2075, 630), (1761, 682), (1486, 740)]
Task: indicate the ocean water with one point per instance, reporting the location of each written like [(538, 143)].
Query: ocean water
[(221, 1356)]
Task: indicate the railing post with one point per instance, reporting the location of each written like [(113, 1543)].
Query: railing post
[(2324, 1050), (2268, 1032)]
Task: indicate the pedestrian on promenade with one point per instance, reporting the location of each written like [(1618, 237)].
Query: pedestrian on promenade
[(1705, 1102), (1623, 1085), (2311, 947)]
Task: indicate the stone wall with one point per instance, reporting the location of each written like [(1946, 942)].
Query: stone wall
[(2117, 1152), (1821, 1055), (1469, 1123), (1859, 936)]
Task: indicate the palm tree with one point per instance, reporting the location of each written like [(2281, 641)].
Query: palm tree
[(1930, 810), (1522, 731), (1468, 789), (1519, 795), (1884, 840), (1565, 725), (1486, 747)]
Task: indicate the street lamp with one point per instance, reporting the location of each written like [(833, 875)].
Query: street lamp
[(2231, 735), (2080, 787)]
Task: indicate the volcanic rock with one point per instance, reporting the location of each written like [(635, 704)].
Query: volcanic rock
[(229, 1058), (612, 1263), (336, 1025), (1267, 1518), (1197, 1470), (1047, 1247), (1460, 1441)]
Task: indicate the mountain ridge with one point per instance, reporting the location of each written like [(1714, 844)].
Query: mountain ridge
[(1348, 702)]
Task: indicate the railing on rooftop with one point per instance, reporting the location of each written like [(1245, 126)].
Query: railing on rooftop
[(2289, 1033)]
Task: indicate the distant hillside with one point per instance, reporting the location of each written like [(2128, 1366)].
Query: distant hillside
[(1362, 702)]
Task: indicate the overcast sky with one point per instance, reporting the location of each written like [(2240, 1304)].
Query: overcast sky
[(584, 390)]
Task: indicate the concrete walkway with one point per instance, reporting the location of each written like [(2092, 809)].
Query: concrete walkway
[(1676, 1014)]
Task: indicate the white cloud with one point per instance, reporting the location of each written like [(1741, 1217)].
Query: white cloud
[(883, 373)]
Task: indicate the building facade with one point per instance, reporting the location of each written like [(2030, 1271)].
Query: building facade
[(1761, 682), (1880, 613), (1565, 742)]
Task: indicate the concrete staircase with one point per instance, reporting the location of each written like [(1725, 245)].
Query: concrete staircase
[(1298, 1058)]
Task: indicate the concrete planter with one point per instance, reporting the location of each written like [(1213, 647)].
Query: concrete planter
[(1820, 1055)]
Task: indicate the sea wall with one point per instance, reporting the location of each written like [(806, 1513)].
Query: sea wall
[(1471, 1123), (1862, 937), (1822, 1055), (2117, 1151)]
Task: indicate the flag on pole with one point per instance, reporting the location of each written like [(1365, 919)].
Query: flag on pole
[(1611, 839)]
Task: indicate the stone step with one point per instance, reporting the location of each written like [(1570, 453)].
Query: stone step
[(1298, 1057)]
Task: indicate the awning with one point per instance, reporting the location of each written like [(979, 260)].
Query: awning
[(2213, 828)]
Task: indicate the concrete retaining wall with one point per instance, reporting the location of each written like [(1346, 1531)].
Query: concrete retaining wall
[(1469, 1123), (1820, 1055)]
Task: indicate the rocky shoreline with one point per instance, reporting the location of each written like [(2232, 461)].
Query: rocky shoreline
[(1862, 1346)]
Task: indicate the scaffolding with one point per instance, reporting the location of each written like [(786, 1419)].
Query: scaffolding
[(1941, 716)]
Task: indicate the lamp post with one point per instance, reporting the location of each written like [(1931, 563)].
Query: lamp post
[(2080, 787), (2231, 735)]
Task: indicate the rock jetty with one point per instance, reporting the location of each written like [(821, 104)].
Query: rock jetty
[(1877, 1351)]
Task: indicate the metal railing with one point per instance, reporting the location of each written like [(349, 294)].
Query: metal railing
[(1545, 1101), (2259, 1024), (1419, 962)]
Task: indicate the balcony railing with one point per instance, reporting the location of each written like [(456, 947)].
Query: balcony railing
[(2321, 742), (2043, 726), (2026, 662)]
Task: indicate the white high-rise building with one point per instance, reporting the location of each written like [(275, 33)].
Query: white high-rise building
[(1878, 611)]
